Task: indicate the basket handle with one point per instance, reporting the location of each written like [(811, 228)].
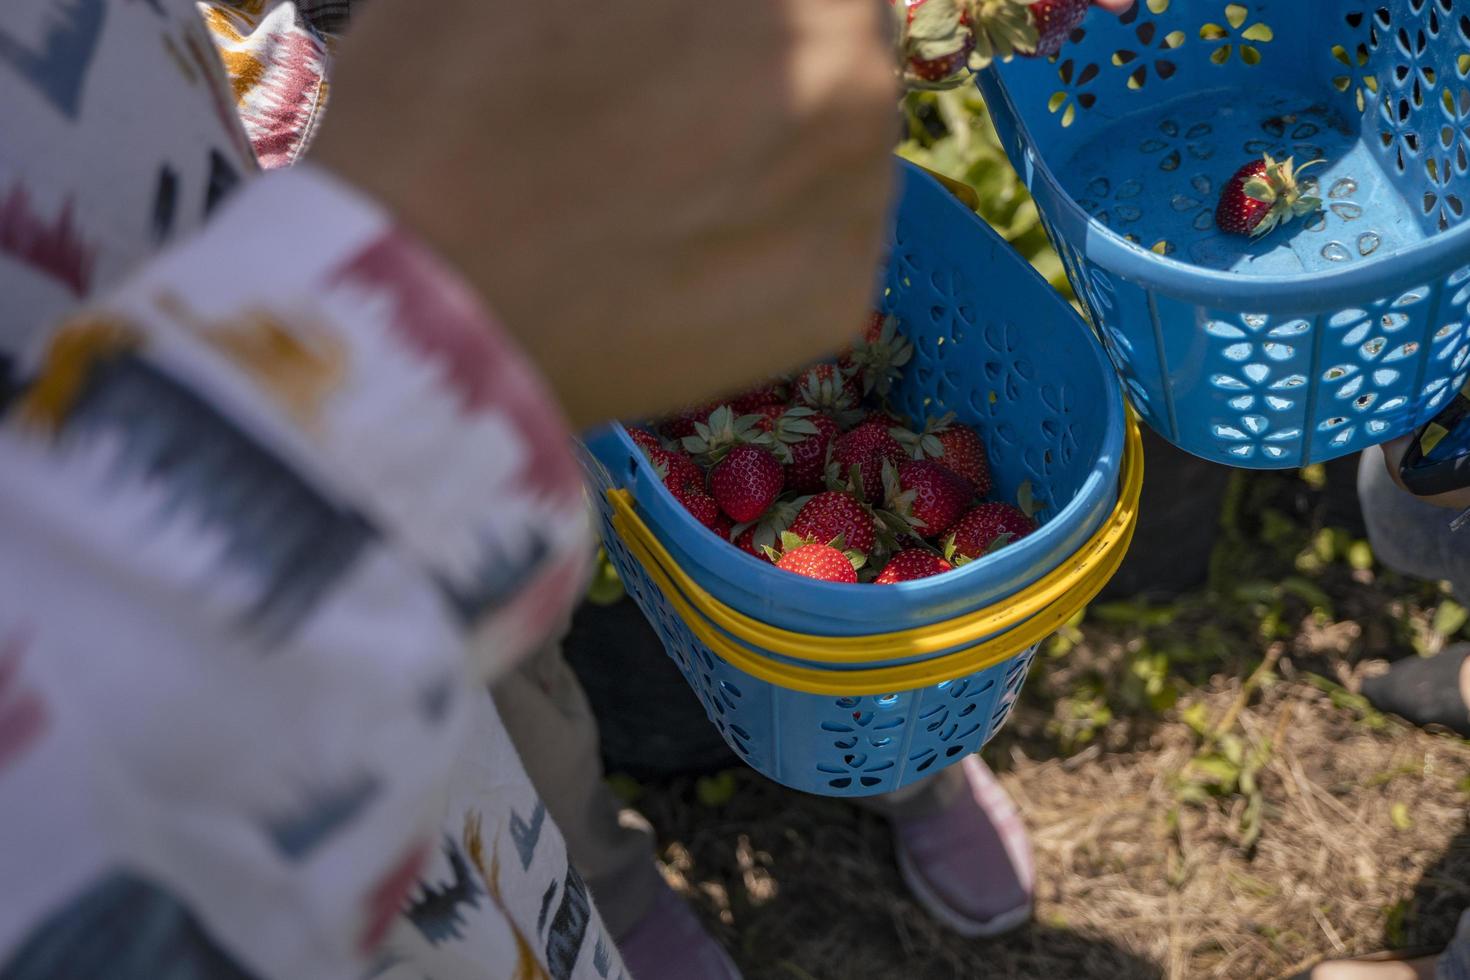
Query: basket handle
[(1022, 620)]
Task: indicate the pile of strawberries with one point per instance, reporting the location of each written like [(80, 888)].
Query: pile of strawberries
[(816, 474)]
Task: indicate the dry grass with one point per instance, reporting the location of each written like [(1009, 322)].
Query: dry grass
[(1131, 883), (1361, 840)]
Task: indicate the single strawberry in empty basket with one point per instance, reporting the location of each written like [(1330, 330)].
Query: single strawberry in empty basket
[(816, 560), (911, 564), (1261, 195)]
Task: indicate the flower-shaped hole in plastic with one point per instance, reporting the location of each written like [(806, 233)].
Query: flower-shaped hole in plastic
[(1358, 78), (1151, 51), (1440, 196), (1290, 135), (1071, 97), (1256, 389), (1011, 691), (1174, 142), (1113, 204), (1234, 35)]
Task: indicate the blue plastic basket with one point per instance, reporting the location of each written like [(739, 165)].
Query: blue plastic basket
[(1338, 332), (993, 343)]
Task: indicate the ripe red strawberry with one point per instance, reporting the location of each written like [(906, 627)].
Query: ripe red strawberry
[(834, 514), (873, 329), (768, 415), (910, 564), (1054, 21), (939, 496), (818, 561), (878, 361), (677, 470), (964, 453), (757, 536), (986, 527), (886, 419), (1262, 195), (745, 541), (805, 436), (865, 447), (825, 388), (957, 446), (702, 506), (723, 527), (643, 439), (752, 400), (746, 482), (683, 423)]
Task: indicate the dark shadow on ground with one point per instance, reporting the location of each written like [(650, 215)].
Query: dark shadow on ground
[(803, 888), (1430, 916)]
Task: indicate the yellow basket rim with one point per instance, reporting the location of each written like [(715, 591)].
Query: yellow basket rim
[(978, 639)]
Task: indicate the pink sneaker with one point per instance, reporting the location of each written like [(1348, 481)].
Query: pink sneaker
[(969, 864), (669, 943)]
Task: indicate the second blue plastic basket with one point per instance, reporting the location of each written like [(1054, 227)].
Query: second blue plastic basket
[(994, 343), (1338, 332)]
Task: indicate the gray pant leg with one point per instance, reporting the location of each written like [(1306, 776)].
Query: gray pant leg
[(1408, 535), (1454, 963)]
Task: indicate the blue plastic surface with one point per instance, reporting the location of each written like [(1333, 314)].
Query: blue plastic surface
[(994, 343), (1337, 332)]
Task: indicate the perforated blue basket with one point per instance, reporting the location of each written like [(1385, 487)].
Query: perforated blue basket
[(993, 343), (1338, 332)]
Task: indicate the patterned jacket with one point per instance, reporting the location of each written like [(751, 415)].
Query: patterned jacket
[(277, 497)]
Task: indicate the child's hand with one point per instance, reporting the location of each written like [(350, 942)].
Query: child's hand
[(1393, 454)]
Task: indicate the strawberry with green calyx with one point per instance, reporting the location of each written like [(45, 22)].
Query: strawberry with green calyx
[(754, 537), (934, 40), (858, 457), (804, 436), (985, 528), (956, 445), (684, 422), (721, 432), (826, 562), (1262, 195), (833, 514), (878, 361), (746, 482), (827, 389), (1003, 28), (677, 471), (643, 439), (926, 494), (768, 416), (704, 508), (911, 564)]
